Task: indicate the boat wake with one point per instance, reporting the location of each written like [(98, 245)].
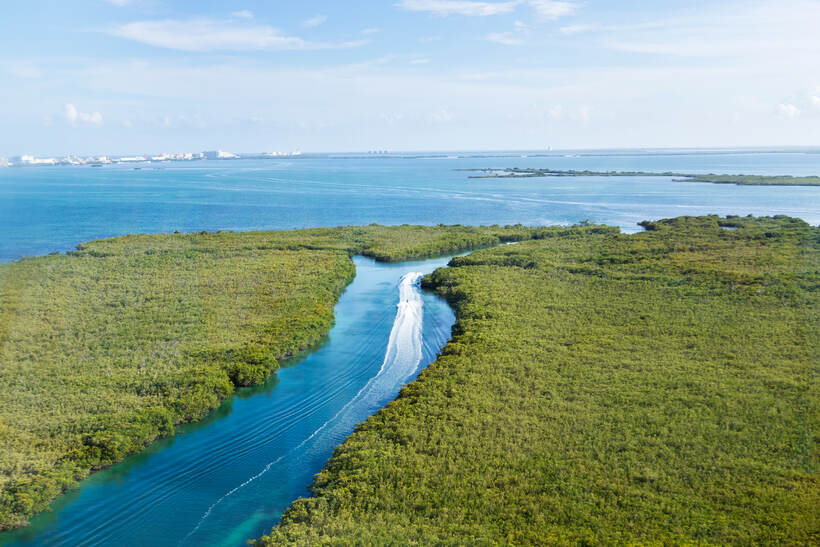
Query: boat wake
[(401, 360)]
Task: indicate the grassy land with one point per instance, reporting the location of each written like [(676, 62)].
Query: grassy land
[(657, 388), (105, 349), (740, 180)]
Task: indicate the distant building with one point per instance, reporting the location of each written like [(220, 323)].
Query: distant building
[(31, 160), (219, 155)]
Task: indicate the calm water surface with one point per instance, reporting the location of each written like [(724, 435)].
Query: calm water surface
[(229, 478), (52, 209)]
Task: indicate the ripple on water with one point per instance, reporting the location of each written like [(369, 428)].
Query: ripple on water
[(230, 477)]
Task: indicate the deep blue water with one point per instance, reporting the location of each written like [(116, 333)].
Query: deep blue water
[(228, 479), (52, 209)]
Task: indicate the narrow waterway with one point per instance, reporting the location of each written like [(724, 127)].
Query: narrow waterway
[(230, 477)]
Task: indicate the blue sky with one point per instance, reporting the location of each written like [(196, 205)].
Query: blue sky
[(137, 76)]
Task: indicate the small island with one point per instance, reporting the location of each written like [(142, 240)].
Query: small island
[(740, 180)]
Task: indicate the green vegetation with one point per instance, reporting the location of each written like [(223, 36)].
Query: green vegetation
[(657, 388), (105, 349), (754, 180), (740, 180)]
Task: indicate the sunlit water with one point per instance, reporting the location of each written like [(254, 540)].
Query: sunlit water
[(228, 479), (49, 209)]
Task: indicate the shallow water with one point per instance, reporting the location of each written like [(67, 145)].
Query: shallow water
[(47, 209), (228, 479)]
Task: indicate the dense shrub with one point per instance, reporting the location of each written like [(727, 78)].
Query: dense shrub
[(104, 349), (600, 389)]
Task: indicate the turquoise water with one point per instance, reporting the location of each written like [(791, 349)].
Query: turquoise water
[(228, 479), (52, 209)]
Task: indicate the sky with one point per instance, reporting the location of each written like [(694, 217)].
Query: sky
[(150, 76)]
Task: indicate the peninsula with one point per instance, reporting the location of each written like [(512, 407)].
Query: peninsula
[(600, 389), (740, 180), (105, 349)]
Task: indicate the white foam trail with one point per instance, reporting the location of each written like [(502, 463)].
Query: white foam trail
[(401, 360), (404, 347)]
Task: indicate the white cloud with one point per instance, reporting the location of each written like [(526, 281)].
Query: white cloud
[(504, 38), (242, 14), (815, 101), (429, 39), (788, 111), (576, 29), (370, 30), (119, 3), (75, 117), (459, 7), (314, 21), (419, 61), (216, 35), (768, 32), (231, 90), (545, 9), (553, 9), (442, 115), (392, 119)]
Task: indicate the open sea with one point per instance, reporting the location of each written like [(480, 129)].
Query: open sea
[(47, 209)]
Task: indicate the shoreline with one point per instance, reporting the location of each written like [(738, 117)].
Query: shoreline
[(242, 366)]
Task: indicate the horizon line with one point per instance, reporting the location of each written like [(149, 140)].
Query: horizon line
[(387, 151)]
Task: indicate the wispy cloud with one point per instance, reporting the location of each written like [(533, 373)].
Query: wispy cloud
[(545, 9), (204, 34), (370, 30), (504, 38), (577, 29), (780, 31), (442, 115), (314, 21), (74, 117), (459, 7), (553, 9), (788, 111), (419, 61), (242, 14), (119, 3)]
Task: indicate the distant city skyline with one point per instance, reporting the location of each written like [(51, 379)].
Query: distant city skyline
[(118, 77)]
